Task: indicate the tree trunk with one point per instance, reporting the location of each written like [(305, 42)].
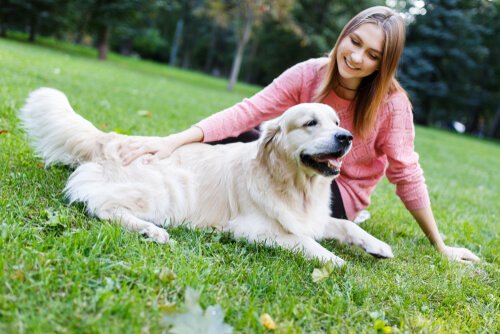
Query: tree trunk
[(242, 41), (179, 27), (253, 55), (495, 126), (32, 28), (103, 39), (211, 49)]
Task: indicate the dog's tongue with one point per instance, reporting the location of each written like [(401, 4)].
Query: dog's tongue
[(333, 162), (336, 162)]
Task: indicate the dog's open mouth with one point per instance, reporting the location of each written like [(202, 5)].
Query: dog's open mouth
[(325, 164)]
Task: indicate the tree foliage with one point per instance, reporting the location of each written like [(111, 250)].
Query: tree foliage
[(443, 66), (450, 65)]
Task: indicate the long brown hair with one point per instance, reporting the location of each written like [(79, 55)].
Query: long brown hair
[(374, 88)]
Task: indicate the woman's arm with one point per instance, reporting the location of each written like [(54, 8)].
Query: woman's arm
[(290, 88), (405, 172), (284, 92), (425, 219), (160, 147)]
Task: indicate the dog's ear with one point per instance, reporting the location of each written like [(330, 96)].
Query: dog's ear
[(270, 130)]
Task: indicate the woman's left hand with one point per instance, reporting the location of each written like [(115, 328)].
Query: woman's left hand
[(459, 254)]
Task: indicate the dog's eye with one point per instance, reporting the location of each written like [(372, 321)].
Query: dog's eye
[(312, 122), (337, 123)]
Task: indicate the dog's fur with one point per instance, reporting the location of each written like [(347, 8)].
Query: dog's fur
[(275, 190)]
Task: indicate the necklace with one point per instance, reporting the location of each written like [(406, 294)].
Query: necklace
[(346, 88)]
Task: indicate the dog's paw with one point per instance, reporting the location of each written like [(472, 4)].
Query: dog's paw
[(379, 249), (333, 259), (157, 234)]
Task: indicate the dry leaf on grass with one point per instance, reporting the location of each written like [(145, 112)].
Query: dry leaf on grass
[(267, 321), (195, 320)]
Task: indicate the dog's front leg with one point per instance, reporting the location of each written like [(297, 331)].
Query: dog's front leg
[(257, 228), (348, 232), (310, 248)]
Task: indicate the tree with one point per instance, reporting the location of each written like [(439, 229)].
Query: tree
[(101, 17), (444, 62), (243, 16), (281, 45), (31, 14)]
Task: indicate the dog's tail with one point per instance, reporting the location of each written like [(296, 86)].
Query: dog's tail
[(56, 132)]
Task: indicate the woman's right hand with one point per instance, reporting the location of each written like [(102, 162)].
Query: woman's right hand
[(157, 147)]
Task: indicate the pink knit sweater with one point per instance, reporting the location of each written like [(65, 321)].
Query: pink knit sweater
[(389, 149)]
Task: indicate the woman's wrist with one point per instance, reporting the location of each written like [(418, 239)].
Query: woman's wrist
[(427, 223), (191, 135)]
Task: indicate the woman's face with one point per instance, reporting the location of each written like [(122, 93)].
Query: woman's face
[(359, 53)]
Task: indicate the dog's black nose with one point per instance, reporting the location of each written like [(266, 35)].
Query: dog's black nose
[(343, 137)]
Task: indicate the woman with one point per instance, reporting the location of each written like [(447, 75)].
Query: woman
[(358, 81)]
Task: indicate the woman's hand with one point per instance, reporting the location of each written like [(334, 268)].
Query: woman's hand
[(425, 219), (459, 254), (159, 147)]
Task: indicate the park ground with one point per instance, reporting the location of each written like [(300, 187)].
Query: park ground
[(64, 272)]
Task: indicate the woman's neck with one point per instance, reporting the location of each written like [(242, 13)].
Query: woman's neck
[(346, 90)]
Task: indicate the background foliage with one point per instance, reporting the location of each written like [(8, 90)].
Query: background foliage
[(450, 66)]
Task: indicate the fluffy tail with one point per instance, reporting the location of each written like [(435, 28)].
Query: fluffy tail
[(56, 132)]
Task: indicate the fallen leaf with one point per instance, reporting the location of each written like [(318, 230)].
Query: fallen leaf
[(320, 274), (267, 321), (18, 275), (166, 275), (195, 320), (2, 131), (387, 329), (145, 113), (168, 308), (379, 324)]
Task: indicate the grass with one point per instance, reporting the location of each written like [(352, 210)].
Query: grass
[(63, 272)]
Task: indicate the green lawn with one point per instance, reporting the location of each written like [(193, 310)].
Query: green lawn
[(63, 272)]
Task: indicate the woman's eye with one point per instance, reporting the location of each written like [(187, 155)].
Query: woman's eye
[(311, 123), (355, 42), (374, 57)]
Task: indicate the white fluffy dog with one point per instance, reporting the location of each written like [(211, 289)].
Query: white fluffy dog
[(275, 190)]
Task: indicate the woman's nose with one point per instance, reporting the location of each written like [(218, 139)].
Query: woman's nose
[(356, 57)]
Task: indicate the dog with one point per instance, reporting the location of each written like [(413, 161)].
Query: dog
[(275, 190)]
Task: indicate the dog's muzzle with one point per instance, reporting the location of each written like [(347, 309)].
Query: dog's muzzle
[(328, 160)]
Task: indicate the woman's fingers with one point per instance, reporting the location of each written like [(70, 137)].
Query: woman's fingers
[(134, 154), (461, 255), (158, 148), (129, 157), (469, 256)]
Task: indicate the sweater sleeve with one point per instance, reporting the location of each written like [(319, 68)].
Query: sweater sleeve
[(272, 101), (404, 169)]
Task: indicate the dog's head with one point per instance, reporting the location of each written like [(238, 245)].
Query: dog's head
[(309, 134)]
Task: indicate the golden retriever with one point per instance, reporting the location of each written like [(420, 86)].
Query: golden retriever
[(275, 190)]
